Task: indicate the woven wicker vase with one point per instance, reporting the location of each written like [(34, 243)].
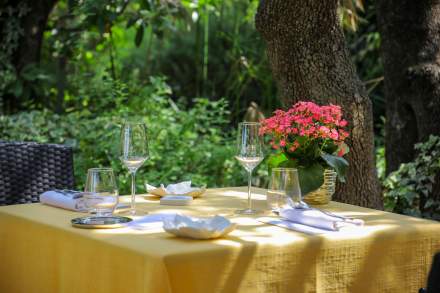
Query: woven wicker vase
[(323, 194)]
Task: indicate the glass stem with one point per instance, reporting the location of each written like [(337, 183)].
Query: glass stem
[(249, 190), (133, 193)]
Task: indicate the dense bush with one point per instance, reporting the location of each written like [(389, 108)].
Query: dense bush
[(409, 190), (206, 48), (185, 142)]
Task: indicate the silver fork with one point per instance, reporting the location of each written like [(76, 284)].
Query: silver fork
[(305, 206)]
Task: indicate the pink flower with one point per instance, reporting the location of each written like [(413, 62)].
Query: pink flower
[(343, 134), (334, 134), (341, 152), (324, 129), (315, 123), (343, 123), (274, 145)]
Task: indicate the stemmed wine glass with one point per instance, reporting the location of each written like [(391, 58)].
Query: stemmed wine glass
[(133, 153), (249, 154)]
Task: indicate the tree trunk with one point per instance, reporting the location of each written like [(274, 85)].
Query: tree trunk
[(411, 56), (33, 25), (29, 45), (310, 61)]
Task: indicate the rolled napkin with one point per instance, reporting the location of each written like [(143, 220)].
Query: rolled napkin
[(66, 199), (318, 218), (182, 188)]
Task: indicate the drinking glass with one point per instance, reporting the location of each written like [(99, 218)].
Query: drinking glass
[(284, 188), (101, 192), (133, 153), (249, 154)]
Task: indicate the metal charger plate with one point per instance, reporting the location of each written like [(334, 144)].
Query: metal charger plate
[(107, 222)]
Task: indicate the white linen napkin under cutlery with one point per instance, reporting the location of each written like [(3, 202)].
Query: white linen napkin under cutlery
[(72, 200), (311, 220), (66, 199)]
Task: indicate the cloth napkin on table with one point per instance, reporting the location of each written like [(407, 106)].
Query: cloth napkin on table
[(150, 221), (178, 188), (66, 199), (318, 218)]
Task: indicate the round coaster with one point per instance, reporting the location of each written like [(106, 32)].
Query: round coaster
[(106, 222)]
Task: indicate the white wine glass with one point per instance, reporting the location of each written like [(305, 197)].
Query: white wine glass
[(133, 153), (101, 191), (249, 154)]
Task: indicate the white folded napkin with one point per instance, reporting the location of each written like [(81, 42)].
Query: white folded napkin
[(184, 226), (150, 221), (177, 188), (66, 199), (319, 218), (198, 228)]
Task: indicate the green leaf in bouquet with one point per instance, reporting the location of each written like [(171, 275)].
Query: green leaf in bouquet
[(310, 177), (338, 163), (275, 160)]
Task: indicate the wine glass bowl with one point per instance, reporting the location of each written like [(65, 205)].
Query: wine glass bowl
[(133, 152), (249, 154)]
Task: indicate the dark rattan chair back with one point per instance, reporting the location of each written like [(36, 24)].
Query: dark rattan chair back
[(433, 277), (28, 169)]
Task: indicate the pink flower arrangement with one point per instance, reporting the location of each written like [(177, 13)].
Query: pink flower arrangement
[(305, 127), (310, 138)]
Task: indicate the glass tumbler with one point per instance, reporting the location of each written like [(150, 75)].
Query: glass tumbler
[(283, 188), (101, 192)]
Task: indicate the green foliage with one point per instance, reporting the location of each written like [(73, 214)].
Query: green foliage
[(409, 189), (185, 142), (206, 48), (380, 162), (18, 84)]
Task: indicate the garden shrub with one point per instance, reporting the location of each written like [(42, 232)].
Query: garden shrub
[(186, 142), (409, 190)]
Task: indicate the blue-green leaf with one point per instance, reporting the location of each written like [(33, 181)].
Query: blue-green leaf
[(338, 163)]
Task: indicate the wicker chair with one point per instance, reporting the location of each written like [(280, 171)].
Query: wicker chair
[(433, 285), (27, 169)]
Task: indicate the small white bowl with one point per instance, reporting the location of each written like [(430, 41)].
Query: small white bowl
[(198, 228)]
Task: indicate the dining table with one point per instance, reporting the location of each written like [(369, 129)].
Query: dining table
[(41, 252)]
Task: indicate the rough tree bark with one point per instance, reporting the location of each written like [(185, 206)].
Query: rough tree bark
[(411, 55), (33, 26), (310, 61)]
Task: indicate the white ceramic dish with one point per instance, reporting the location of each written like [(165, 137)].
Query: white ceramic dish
[(198, 228)]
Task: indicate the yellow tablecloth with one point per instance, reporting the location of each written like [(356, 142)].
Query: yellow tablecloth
[(40, 252)]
